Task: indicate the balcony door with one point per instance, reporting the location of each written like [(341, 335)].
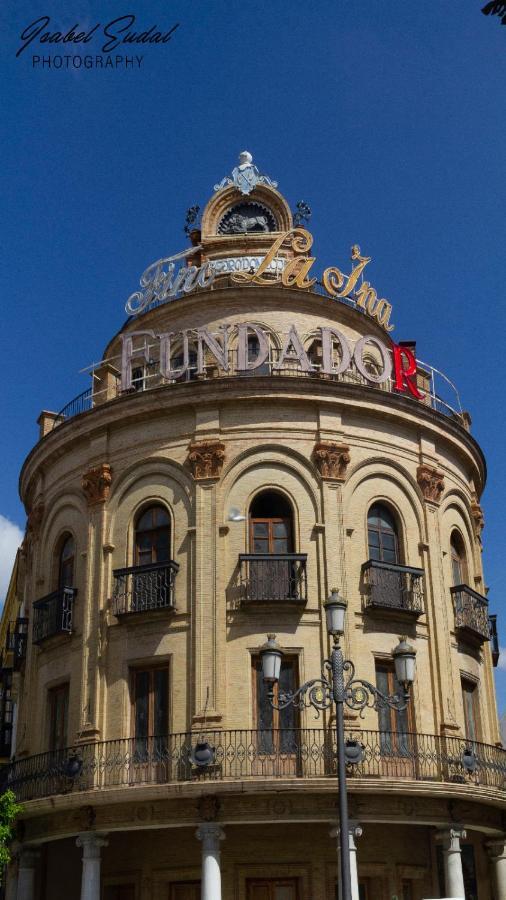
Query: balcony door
[(272, 889), (150, 585), (397, 741), (277, 734), (271, 535), (58, 702), (150, 721)]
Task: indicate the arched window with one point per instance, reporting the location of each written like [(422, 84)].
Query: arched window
[(458, 557), (152, 536), (66, 563), (382, 535), (271, 525)]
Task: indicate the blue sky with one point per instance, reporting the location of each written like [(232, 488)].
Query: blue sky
[(387, 117)]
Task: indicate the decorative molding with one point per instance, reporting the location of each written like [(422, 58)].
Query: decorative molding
[(331, 460), (96, 484), (35, 516), (208, 808), (431, 481), (477, 517), (206, 459)]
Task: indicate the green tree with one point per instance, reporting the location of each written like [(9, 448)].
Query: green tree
[(9, 809)]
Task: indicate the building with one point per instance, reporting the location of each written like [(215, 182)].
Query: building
[(252, 438)]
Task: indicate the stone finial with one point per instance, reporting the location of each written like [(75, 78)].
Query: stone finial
[(35, 516), (206, 459), (431, 482), (331, 460), (96, 483)]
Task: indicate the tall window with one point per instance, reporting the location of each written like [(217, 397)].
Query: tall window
[(150, 713), (152, 536), (459, 562), (271, 528), (58, 702), (394, 725), (382, 535), (66, 563), (276, 727), (471, 709)]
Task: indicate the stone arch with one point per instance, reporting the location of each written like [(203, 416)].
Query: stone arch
[(227, 197)]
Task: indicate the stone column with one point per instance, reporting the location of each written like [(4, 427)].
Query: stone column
[(26, 873), (354, 832), (92, 843), (450, 839), (497, 853), (210, 835), (11, 887)]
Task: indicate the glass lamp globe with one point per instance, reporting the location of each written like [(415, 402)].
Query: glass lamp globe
[(335, 610), (404, 659), (271, 656)]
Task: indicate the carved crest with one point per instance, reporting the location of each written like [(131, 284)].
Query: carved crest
[(96, 483), (206, 459), (432, 483), (332, 460)]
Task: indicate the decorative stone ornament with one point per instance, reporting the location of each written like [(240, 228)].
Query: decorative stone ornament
[(35, 517), (332, 460), (477, 517), (245, 176), (431, 482), (96, 484), (206, 459)]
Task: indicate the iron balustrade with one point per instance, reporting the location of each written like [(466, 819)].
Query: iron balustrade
[(53, 614), (17, 637), (388, 586), (494, 639), (144, 588), (274, 577), (82, 403), (471, 613), (252, 754)]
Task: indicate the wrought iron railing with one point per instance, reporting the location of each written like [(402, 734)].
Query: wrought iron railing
[(143, 588), (471, 613), (53, 614), (494, 639), (82, 403), (17, 638), (249, 754), (398, 588), (274, 577)]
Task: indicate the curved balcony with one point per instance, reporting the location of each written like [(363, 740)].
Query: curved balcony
[(249, 755), (393, 589), (139, 589), (471, 614), (52, 614), (274, 578)]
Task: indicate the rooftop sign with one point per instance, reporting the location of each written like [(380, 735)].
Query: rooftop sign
[(160, 281)]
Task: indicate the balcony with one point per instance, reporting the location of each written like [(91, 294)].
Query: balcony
[(146, 588), (17, 637), (494, 639), (253, 755), (471, 614), (52, 615), (395, 589), (274, 578)]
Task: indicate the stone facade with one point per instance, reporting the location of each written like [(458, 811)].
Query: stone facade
[(203, 449)]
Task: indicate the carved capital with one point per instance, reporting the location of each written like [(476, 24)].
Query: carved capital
[(432, 483), (35, 516), (206, 459), (210, 835), (496, 848), (331, 460), (96, 484), (450, 838), (477, 517)]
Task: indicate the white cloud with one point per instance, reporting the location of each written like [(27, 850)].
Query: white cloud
[(502, 659), (10, 539)]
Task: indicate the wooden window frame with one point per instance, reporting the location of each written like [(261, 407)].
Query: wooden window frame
[(270, 521), (475, 702), (281, 881), (458, 556), (152, 532), (192, 883), (52, 699), (379, 530), (134, 672), (67, 563)]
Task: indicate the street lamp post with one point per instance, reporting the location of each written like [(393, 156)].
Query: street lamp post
[(338, 685)]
